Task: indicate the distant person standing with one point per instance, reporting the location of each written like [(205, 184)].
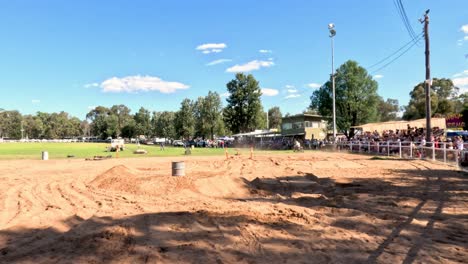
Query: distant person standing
[(459, 143)]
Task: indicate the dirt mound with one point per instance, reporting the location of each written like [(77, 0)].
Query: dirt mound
[(118, 178)]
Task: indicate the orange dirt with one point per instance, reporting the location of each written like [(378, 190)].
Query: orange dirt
[(297, 208)]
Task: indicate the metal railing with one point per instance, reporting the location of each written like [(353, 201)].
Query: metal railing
[(442, 151)]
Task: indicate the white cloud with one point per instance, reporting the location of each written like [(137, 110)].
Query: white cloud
[(211, 47), (269, 92), (289, 86), (292, 90), (464, 28), (89, 85), (265, 51), (465, 72), (35, 101), (378, 76), (226, 94), (314, 85), (218, 62), (91, 107), (461, 82), (292, 96), (250, 66), (138, 83)]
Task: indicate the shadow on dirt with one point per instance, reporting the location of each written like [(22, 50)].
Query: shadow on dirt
[(407, 209), (175, 237)]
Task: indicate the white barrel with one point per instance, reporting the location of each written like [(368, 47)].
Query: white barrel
[(178, 168), (45, 155)]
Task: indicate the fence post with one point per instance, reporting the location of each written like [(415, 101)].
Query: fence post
[(351, 147), (445, 152), (378, 147), (359, 145), (368, 147), (399, 146), (388, 148), (411, 149), (433, 151), (456, 156)]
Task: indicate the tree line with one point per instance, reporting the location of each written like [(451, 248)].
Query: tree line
[(358, 102), (204, 117)]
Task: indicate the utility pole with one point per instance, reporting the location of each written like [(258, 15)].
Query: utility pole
[(428, 81), (268, 125)]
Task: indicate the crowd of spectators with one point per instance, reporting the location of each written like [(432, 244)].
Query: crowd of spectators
[(411, 136)]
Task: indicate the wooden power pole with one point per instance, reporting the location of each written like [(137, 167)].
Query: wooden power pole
[(428, 81)]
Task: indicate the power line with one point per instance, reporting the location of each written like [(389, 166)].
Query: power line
[(404, 18), (389, 56), (401, 54)]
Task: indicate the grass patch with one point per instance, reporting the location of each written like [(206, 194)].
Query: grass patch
[(89, 150)]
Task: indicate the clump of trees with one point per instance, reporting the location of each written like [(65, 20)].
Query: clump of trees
[(445, 100), (41, 125), (357, 100)]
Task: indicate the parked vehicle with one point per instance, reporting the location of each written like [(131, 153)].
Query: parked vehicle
[(178, 143)]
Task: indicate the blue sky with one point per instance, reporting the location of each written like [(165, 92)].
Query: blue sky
[(72, 55)]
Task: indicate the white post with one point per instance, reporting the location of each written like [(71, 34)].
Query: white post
[(411, 149), (351, 147), (388, 148), (445, 152), (433, 151), (399, 146), (359, 150), (368, 147), (378, 147)]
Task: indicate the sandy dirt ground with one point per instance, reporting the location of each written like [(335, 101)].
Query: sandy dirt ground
[(293, 208)]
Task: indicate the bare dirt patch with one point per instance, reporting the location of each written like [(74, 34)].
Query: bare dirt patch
[(325, 207)]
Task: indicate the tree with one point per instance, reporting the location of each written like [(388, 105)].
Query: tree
[(461, 103), (143, 122), (129, 130), (122, 113), (443, 99), (274, 117), (10, 124), (387, 110), (356, 98), (244, 110), (208, 115), (184, 121), (100, 125), (165, 125)]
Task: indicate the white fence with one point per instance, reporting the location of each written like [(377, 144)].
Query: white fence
[(408, 150)]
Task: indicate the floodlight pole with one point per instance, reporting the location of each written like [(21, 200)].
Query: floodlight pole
[(331, 27)]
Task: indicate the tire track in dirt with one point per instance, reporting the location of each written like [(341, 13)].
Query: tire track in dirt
[(12, 207)]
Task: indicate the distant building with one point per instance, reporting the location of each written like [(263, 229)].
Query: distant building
[(305, 126)]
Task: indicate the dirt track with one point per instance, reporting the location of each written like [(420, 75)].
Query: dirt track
[(302, 208)]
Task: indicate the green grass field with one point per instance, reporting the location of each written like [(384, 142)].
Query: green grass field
[(89, 150)]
